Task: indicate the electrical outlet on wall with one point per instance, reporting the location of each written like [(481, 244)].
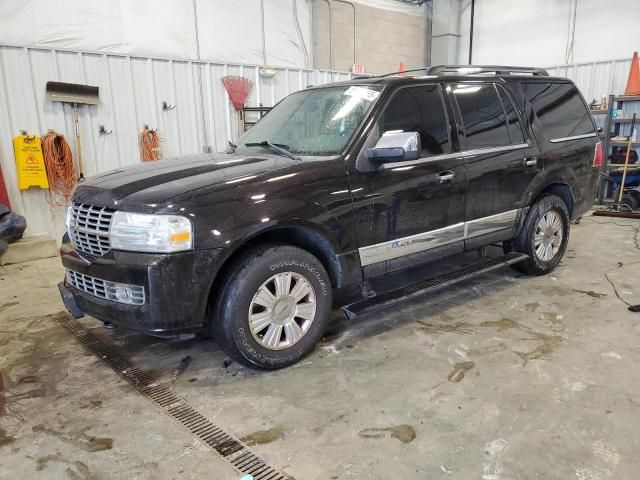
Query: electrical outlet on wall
[(207, 149)]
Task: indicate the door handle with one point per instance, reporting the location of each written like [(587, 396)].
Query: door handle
[(446, 176), (530, 162)]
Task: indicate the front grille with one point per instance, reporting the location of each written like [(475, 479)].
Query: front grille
[(89, 228), (106, 289)]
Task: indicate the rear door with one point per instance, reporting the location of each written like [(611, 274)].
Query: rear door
[(567, 135), (410, 211), (500, 157)]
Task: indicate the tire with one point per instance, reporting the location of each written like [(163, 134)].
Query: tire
[(271, 343), (632, 201), (12, 226), (542, 261)]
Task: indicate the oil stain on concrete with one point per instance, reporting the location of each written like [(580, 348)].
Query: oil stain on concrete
[(262, 436), (404, 433), (501, 325), (5, 439), (78, 439), (459, 369), (548, 345), (549, 342), (77, 470)]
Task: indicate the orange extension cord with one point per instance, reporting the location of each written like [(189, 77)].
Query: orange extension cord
[(61, 174), (150, 145)]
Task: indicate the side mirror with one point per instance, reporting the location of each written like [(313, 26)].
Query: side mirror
[(395, 146)]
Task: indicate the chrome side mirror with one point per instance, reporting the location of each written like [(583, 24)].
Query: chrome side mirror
[(395, 146)]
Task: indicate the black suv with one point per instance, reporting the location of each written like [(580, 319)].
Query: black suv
[(337, 185)]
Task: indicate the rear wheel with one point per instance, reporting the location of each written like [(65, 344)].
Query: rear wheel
[(544, 236), (274, 307)]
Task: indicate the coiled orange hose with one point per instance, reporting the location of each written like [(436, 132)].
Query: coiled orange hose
[(61, 174), (150, 145)]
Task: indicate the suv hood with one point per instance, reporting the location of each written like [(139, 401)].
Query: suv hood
[(151, 184)]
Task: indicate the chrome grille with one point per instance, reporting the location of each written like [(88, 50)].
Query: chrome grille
[(104, 288), (88, 228)]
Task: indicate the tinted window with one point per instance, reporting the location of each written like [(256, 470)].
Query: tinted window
[(515, 129), (559, 108), (484, 121), (419, 109)]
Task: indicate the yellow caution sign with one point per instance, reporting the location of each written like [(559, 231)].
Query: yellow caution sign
[(29, 162)]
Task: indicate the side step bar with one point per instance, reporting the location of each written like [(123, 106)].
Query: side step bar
[(386, 299)]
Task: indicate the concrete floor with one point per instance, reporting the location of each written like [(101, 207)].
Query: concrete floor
[(505, 377)]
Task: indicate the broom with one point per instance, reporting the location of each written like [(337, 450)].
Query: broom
[(238, 89)]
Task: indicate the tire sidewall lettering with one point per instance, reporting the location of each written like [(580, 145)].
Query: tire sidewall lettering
[(303, 265)]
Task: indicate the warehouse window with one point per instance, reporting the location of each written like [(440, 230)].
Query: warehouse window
[(485, 124), (515, 128), (419, 109), (560, 109)]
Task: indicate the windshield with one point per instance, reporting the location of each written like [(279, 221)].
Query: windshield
[(314, 122)]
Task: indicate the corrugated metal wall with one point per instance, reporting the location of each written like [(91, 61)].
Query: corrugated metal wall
[(132, 90), (596, 79)]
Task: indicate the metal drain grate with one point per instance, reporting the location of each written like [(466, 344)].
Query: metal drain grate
[(225, 445)]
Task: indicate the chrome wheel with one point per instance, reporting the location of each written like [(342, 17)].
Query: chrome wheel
[(548, 236), (282, 310)]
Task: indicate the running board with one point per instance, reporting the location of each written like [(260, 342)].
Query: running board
[(386, 299)]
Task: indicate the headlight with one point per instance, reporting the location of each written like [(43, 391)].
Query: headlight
[(141, 232)]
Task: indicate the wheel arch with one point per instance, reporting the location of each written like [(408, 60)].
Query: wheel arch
[(298, 234), (562, 190)]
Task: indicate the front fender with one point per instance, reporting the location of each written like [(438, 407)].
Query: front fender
[(220, 230)]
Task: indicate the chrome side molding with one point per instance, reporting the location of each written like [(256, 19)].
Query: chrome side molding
[(574, 137), (490, 224), (412, 244), (419, 242)]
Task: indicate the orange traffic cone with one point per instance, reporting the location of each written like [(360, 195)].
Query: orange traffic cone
[(633, 83), (401, 68)]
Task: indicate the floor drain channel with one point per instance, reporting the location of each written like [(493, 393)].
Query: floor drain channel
[(228, 447)]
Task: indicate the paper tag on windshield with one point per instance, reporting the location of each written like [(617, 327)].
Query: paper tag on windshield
[(362, 92)]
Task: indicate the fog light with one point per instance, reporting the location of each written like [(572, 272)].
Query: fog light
[(123, 293)]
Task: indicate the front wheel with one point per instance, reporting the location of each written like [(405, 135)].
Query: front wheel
[(274, 307), (543, 236)]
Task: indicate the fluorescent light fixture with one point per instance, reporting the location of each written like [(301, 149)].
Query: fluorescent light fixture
[(268, 72)]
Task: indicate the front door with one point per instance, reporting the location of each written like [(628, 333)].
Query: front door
[(410, 211), (501, 161)]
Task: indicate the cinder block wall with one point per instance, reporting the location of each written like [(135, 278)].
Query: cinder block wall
[(383, 38)]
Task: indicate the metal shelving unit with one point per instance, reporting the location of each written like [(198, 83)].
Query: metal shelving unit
[(615, 126)]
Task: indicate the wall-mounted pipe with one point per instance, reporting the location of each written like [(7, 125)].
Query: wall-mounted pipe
[(473, 11), (354, 27), (264, 36), (330, 35), (299, 30)]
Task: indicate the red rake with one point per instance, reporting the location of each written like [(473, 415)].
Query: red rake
[(238, 89)]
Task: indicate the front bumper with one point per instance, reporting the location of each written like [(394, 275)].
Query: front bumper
[(176, 285)]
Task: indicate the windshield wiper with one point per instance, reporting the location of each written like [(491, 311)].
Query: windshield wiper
[(278, 148)]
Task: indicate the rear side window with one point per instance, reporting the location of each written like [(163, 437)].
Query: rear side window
[(515, 128), (559, 108), (483, 117), (419, 109)]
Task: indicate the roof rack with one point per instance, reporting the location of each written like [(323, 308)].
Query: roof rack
[(484, 69), (421, 69)]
